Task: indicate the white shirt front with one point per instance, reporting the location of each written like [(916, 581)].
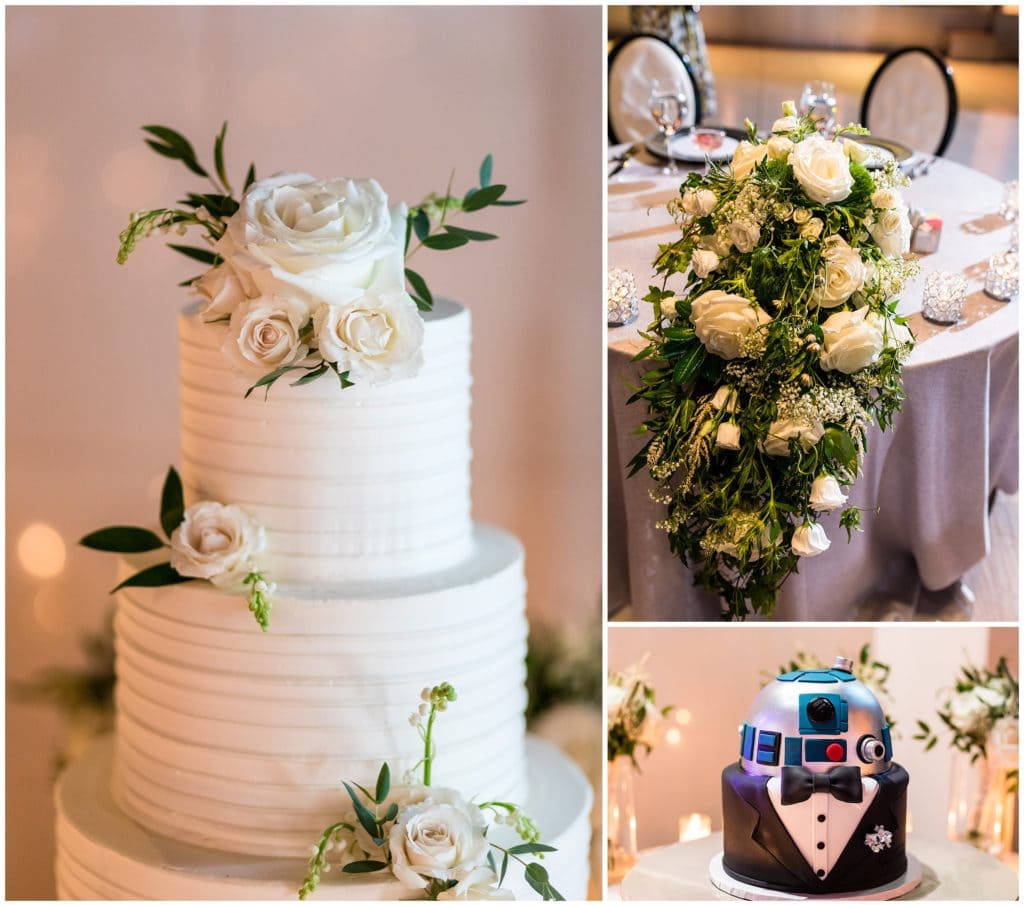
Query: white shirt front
[(821, 843)]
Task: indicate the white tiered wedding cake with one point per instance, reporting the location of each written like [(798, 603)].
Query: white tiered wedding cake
[(232, 743)]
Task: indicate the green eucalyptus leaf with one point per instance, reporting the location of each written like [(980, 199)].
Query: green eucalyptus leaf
[(421, 224), (383, 784), (122, 539), (175, 146), (218, 157), (172, 502), (153, 577), (504, 869), (688, 365), (532, 848), (391, 813), (509, 204), (206, 256), (364, 867), (250, 178), (444, 241), (483, 197), (485, 171), (311, 375), (365, 816), (472, 235), (421, 292)]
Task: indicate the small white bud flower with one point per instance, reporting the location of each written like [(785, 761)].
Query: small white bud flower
[(423, 710), (425, 694), (182, 229)]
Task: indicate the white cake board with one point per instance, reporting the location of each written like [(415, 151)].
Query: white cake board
[(727, 884)]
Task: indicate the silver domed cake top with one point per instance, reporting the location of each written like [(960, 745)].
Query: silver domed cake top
[(818, 719)]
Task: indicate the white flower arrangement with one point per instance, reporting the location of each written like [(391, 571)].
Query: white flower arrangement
[(430, 839), (209, 541), (634, 720), (790, 259), (309, 275)]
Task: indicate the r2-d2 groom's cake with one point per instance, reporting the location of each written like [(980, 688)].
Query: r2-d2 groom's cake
[(815, 804)]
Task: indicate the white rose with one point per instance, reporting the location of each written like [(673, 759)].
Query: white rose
[(891, 231), (869, 286), (222, 290), (822, 169), (377, 337), (855, 151), (969, 714), (728, 436), (886, 198), (812, 229), (784, 210), (263, 334), (843, 273), (704, 261), (215, 542), (441, 838), (826, 494), (897, 335), (990, 697), (746, 157), (779, 147), (724, 398), (699, 202), (785, 124), (744, 234), (853, 340), (801, 215), (615, 696), (809, 540), (479, 884), (722, 320), (780, 433), (325, 240), (719, 244)]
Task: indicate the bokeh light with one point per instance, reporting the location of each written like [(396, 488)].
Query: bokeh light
[(41, 550), (673, 736)]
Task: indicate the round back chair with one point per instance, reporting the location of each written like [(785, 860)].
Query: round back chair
[(911, 98), (633, 64)]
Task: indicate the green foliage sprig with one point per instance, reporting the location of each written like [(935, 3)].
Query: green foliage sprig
[(634, 720), (732, 514)]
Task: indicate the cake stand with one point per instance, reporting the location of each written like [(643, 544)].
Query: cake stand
[(949, 871)]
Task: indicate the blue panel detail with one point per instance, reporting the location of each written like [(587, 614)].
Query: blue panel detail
[(768, 747), (790, 677), (887, 740), (836, 725), (814, 749), (794, 750), (747, 743), (844, 721), (818, 676)]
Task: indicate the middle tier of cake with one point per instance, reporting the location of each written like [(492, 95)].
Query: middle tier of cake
[(235, 739)]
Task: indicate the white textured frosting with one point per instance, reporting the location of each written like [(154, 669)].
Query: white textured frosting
[(239, 740), (365, 483), (103, 855)]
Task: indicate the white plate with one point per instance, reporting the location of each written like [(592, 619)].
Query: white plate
[(684, 148)]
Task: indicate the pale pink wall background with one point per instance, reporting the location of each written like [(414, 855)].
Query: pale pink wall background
[(714, 673), (402, 94)]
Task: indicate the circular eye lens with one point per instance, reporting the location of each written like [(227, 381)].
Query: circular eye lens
[(821, 711), (871, 749)]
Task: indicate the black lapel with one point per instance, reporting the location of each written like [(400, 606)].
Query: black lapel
[(882, 811)]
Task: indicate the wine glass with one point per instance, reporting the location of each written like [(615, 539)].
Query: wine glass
[(819, 100), (670, 107)]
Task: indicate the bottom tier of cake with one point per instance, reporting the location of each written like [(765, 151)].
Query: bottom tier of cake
[(104, 855)]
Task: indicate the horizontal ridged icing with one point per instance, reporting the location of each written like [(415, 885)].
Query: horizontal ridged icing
[(238, 740), (365, 483)]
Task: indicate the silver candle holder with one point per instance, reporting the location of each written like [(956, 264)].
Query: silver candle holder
[(1011, 200), (1002, 279), (623, 301), (944, 295)]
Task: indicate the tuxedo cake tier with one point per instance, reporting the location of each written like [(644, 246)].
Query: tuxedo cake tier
[(815, 805)]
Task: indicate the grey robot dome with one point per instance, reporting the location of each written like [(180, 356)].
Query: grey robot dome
[(819, 719)]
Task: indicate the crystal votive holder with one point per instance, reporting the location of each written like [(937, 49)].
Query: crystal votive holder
[(1011, 200), (623, 301), (1014, 244), (1002, 278), (944, 296)]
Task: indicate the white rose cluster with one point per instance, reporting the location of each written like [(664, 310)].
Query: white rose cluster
[(721, 321), (328, 251), (822, 169), (217, 542)]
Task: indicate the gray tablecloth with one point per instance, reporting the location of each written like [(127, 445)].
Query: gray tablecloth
[(930, 478)]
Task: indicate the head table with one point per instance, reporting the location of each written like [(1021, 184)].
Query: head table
[(926, 485)]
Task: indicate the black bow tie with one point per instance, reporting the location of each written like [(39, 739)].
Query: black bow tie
[(843, 783)]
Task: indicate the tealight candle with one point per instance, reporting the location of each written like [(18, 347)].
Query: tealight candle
[(944, 296), (694, 827), (1003, 276), (623, 302)]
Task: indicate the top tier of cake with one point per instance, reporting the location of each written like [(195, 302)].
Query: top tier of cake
[(350, 485)]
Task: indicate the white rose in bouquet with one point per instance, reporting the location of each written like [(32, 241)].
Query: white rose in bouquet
[(779, 147), (719, 243), (821, 168), (376, 337), (699, 202), (441, 837), (724, 398), (843, 273), (991, 697), (744, 234), (969, 714), (704, 262), (897, 335), (785, 124), (891, 231), (222, 290), (826, 494), (216, 542), (801, 215), (479, 884), (883, 199), (853, 340), (728, 436), (263, 334), (746, 157), (812, 229), (855, 151), (781, 432), (317, 238), (809, 540), (722, 320)]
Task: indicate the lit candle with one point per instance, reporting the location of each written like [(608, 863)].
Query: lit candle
[(694, 827)]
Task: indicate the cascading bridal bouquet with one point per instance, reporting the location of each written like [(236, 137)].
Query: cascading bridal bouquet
[(430, 839), (779, 350), (309, 275)]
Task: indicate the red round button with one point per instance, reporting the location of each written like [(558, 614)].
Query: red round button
[(835, 752)]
